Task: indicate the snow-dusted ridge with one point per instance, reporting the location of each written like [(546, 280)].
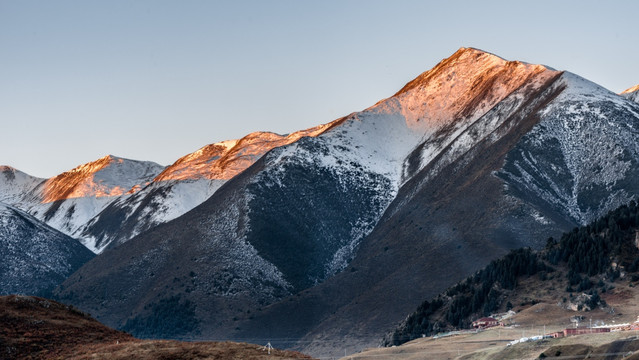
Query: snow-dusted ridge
[(109, 176), (181, 186), (67, 201), (224, 160)]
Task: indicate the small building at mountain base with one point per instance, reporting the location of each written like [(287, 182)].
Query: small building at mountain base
[(485, 322)]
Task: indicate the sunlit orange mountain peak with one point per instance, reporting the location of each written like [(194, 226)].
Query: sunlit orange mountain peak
[(631, 90), (107, 176), (467, 84), (224, 160), (632, 93)]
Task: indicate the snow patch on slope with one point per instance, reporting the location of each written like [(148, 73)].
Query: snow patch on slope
[(155, 204)]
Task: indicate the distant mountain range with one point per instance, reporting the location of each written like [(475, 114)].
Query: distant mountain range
[(326, 238)]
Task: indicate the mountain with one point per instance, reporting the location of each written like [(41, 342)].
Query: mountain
[(632, 93), (181, 186), (565, 157), (330, 240), (108, 201), (69, 200), (35, 257)]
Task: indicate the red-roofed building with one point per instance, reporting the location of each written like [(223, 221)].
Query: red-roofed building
[(581, 331), (485, 322)]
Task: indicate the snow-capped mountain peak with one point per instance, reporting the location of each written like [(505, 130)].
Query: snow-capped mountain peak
[(106, 177), (467, 83), (224, 160), (67, 201), (431, 111)]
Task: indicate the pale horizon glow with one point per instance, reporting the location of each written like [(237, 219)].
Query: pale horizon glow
[(156, 80)]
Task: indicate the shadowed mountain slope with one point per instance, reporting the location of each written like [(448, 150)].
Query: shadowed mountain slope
[(35, 257)]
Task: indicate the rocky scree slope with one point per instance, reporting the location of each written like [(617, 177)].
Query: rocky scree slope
[(340, 231)]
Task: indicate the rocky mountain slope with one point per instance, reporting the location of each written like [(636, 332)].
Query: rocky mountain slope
[(35, 257), (351, 228)]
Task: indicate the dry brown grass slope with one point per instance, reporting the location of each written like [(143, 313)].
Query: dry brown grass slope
[(38, 328)]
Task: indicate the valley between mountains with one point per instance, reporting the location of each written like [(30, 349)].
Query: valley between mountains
[(327, 238)]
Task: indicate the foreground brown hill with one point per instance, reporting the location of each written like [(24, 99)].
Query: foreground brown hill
[(38, 328), (34, 327)]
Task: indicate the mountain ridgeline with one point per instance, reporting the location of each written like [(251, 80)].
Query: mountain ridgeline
[(350, 224), (590, 259)]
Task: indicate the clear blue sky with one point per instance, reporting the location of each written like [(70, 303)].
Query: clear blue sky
[(155, 80)]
